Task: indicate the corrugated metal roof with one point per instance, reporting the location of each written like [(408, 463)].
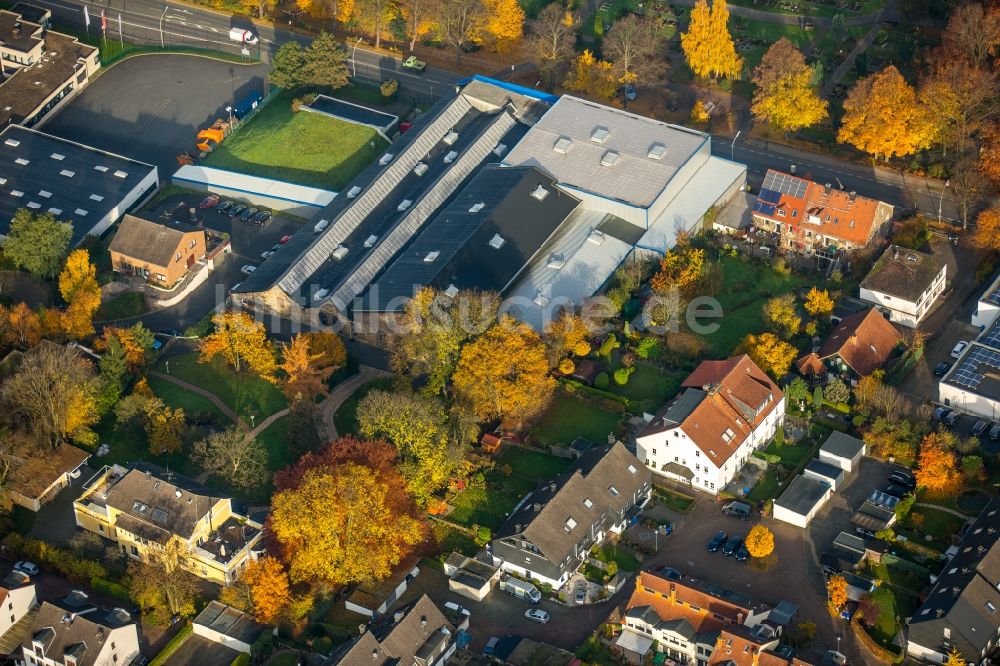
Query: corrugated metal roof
[(277, 189)]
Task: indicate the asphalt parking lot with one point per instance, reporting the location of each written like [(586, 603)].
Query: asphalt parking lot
[(150, 107), (835, 516)]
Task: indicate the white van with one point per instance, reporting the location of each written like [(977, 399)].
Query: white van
[(241, 36), (320, 226), (520, 589)]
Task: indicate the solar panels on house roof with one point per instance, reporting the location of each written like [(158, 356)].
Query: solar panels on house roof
[(993, 298), (974, 367), (785, 184), (991, 337)]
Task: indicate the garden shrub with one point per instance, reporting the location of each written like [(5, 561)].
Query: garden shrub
[(110, 589), (602, 381), (243, 659), (648, 348), (609, 345), (621, 376)]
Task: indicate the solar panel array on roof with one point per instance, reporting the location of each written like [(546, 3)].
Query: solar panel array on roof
[(971, 373), (993, 298), (991, 337), (785, 184)]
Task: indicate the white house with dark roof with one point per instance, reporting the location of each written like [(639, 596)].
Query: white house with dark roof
[(550, 533), (988, 306), (973, 383), (17, 598), (728, 410), (69, 634), (905, 283)]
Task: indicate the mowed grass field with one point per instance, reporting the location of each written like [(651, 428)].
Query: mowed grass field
[(304, 148)]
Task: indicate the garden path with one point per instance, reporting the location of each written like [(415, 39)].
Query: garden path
[(223, 407)]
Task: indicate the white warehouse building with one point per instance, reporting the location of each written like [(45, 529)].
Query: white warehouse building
[(973, 383)]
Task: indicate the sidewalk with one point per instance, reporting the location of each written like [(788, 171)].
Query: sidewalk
[(159, 298)]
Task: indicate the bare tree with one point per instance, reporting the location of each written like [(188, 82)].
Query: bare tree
[(460, 21), (635, 46), (973, 33), (233, 455), (419, 10), (552, 37), (375, 9), (968, 185)]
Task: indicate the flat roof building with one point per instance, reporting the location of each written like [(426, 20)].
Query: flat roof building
[(905, 283), (801, 500), (90, 188), (988, 307), (973, 383)]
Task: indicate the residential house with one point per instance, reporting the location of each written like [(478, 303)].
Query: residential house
[(961, 610), (227, 626), (858, 345), (376, 597), (17, 599), (988, 306), (550, 533), (419, 635), (73, 632), (520, 651), (36, 480), (972, 385), (728, 410), (905, 283), (159, 253), (757, 646), (146, 507), (811, 217)]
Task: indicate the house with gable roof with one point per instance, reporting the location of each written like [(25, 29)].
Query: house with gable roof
[(74, 632), (727, 410)]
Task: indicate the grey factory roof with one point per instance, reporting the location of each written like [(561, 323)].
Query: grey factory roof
[(484, 237), (41, 172), (802, 494), (605, 151)]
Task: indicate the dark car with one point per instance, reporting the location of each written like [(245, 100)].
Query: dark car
[(980, 427), (902, 478), (995, 432), (262, 217), (941, 413), (670, 573), (740, 510), (742, 554), (717, 541), (864, 532), (224, 206), (941, 369), (236, 210), (209, 201), (952, 419), (248, 214), (896, 490), (732, 545)]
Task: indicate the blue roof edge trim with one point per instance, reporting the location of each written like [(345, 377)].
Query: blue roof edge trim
[(512, 87)]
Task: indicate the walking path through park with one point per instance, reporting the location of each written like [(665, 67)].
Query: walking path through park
[(223, 407), (862, 45), (340, 393), (946, 509), (793, 19)]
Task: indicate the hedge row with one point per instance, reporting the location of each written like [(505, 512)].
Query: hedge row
[(62, 560), (603, 399), (879, 652), (171, 647), (110, 589)]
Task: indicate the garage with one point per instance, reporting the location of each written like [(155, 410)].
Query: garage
[(825, 473), (843, 451), (801, 501)]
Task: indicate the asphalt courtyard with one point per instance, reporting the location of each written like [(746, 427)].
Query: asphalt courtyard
[(150, 107)]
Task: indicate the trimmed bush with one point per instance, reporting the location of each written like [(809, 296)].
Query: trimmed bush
[(110, 589), (621, 376), (602, 381), (242, 660), (172, 646)]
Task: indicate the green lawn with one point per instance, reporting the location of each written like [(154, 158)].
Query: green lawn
[(123, 306), (768, 32), (610, 553), (127, 447), (940, 524), (275, 441), (913, 578), (191, 403), (452, 539), (345, 419), (304, 147), (649, 383), (244, 393), (791, 455), (533, 466), (766, 488), (482, 506), (568, 418), (884, 629), (673, 499)]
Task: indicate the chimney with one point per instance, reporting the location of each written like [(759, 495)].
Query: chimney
[(398, 616), (222, 550), (362, 628), (423, 621), (16, 31), (374, 655), (552, 486), (940, 613)]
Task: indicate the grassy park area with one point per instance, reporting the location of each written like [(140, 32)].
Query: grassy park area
[(305, 148), (568, 418)]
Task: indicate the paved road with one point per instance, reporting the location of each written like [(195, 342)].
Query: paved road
[(155, 21)]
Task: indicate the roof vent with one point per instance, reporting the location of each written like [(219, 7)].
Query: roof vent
[(599, 135), (406, 203), (101, 168), (45, 194), (17, 194), (67, 173), (339, 253), (656, 151), (497, 241), (58, 157), (34, 205), (451, 291), (450, 157), (476, 207), (911, 257), (321, 294), (562, 144), (450, 138), (22, 161), (55, 211), (177, 493), (431, 256), (500, 149), (556, 262), (541, 300), (353, 192), (121, 174), (13, 143), (385, 159), (81, 212), (420, 169), (370, 241), (596, 237), (610, 158), (540, 193), (96, 197)]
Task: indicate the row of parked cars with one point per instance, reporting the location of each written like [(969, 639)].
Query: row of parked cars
[(233, 210), (982, 427), (731, 546)]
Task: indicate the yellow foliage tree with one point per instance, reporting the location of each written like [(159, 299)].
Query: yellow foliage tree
[(707, 44), (699, 113), (836, 592), (242, 342), (269, 589), (986, 235), (336, 527), (818, 302), (79, 288), (305, 376), (759, 541), (567, 366), (784, 97), (504, 373), (781, 316), (23, 326), (680, 268), (504, 20), (565, 334), (955, 658), (884, 118), (937, 466), (771, 354), (592, 76)]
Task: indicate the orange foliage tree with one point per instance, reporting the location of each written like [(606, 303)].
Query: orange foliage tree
[(986, 235), (21, 326), (269, 591), (836, 592), (938, 472), (680, 267), (305, 376), (241, 341), (79, 288)]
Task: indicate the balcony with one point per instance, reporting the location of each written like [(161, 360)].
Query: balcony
[(230, 541)]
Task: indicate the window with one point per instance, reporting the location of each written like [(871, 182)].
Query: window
[(654, 453), (177, 256), (990, 607), (67, 173), (631, 469), (570, 523), (193, 243), (613, 490), (587, 503), (161, 277), (96, 197)]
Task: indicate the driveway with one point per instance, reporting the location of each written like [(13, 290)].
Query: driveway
[(921, 385), (835, 516), (55, 521), (201, 651), (151, 107)]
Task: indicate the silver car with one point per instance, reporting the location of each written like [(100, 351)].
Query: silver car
[(537, 615)]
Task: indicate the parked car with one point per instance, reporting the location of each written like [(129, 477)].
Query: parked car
[(248, 269), (951, 420), (941, 413), (248, 214), (717, 541), (285, 239), (209, 202), (261, 218), (266, 254), (942, 368), (957, 350), (537, 615), (732, 545), (670, 573), (26, 567), (896, 490), (864, 532), (629, 92), (224, 206), (276, 247), (995, 432), (742, 554), (980, 427), (902, 478), (581, 592), (740, 510), (236, 210)]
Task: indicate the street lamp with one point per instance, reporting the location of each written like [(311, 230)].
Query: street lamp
[(230, 110), (947, 183), (732, 148), (354, 69)]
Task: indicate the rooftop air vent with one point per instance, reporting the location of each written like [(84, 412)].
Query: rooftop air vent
[(431, 256), (540, 193), (556, 262), (404, 204), (81, 212), (476, 207), (420, 169), (121, 174), (385, 159), (339, 253), (58, 157), (353, 192), (497, 241), (96, 197), (450, 138), (656, 151), (101, 168), (610, 158), (67, 173), (451, 291), (562, 145), (500, 149), (13, 143), (22, 161), (370, 241), (596, 237), (599, 135), (450, 157), (541, 300)]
